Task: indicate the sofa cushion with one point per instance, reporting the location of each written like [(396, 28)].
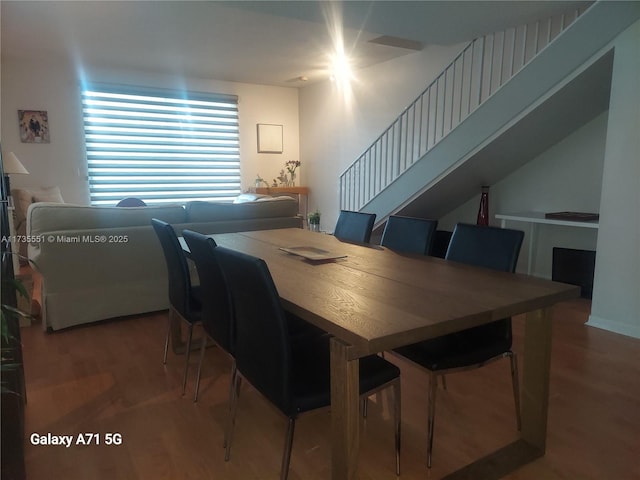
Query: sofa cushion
[(215, 212), (23, 197), (248, 197), (50, 217)]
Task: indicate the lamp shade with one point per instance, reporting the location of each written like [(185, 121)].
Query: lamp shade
[(12, 165)]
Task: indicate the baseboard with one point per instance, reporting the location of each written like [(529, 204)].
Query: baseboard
[(615, 327)]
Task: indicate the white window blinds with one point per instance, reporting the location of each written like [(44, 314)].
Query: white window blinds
[(160, 146)]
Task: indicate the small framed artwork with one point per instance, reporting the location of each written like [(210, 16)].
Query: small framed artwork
[(34, 126), (269, 138)]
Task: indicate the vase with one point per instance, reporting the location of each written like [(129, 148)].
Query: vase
[(314, 227), (483, 209)]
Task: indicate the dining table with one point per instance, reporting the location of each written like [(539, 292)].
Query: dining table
[(372, 299)]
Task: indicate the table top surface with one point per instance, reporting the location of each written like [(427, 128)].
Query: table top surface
[(376, 299)]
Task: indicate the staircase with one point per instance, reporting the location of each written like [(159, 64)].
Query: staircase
[(488, 94)]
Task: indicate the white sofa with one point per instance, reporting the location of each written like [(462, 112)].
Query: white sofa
[(22, 198), (105, 262)]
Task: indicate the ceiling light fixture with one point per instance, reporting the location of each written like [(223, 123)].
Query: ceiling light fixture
[(339, 63), (340, 68)]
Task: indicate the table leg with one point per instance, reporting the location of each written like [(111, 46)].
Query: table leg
[(345, 419), (534, 403), (536, 369)]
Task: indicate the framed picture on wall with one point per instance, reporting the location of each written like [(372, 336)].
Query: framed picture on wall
[(34, 126), (269, 138)]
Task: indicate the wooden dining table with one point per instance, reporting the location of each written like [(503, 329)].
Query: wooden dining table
[(373, 299)]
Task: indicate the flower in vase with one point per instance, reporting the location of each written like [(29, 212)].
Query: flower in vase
[(292, 166)]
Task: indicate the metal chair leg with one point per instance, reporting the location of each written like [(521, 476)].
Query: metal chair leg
[(397, 413), (516, 388), (202, 348), (166, 341), (232, 416), (433, 388), (288, 444), (187, 356)]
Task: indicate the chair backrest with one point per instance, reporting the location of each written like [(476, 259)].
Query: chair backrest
[(131, 202), (216, 309), (177, 268), (483, 246), (490, 247), (354, 226), (409, 234), (441, 239), (262, 349)]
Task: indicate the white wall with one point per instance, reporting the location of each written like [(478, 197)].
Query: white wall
[(566, 177), (616, 290), (55, 87), (336, 128)]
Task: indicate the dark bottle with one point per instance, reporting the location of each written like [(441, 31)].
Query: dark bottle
[(483, 210)]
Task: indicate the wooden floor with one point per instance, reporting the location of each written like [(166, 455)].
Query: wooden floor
[(109, 378)]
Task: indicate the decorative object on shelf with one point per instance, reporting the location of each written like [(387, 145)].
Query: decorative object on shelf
[(292, 166), (269, 138), (259, 182), (34, 126), (483, 209), (573, 216), (282, 179), (287, 179), (314, 221)]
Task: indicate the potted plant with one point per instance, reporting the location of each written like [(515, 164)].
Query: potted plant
[(314, 221)]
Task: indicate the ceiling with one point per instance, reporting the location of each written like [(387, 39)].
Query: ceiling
[(265, 42)]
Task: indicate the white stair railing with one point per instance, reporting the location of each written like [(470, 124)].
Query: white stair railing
[(475, 74)]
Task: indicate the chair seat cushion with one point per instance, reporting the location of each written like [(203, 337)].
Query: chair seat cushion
[(460, 349), (312, 379)]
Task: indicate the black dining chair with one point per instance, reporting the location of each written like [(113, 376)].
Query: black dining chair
[(354, 226), (184, 299), (131, 202), (292, 372), (441, 239), (409, 234), (216, 307), (482, 246)]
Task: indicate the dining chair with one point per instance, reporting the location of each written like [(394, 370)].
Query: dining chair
[(409, 234), (441, 239), (184, 299), (292, 372), (216, 307), (131, 202), (354, 226), (482, 246)]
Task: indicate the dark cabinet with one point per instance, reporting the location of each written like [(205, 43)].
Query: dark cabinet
[(12, 372)]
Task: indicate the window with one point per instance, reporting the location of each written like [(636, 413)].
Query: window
[(160, 146)]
